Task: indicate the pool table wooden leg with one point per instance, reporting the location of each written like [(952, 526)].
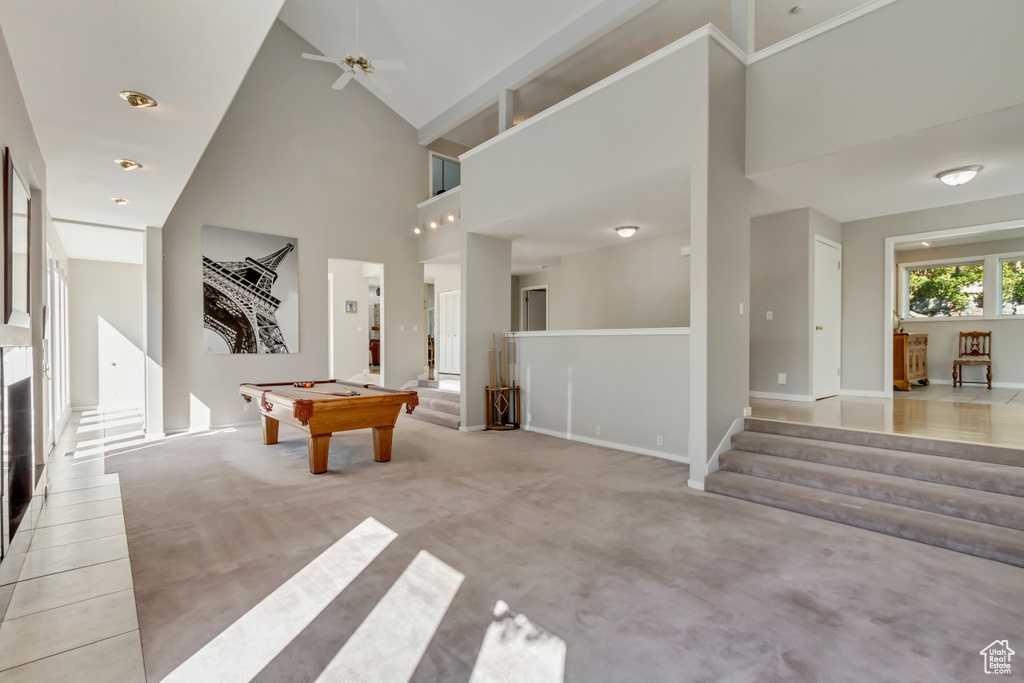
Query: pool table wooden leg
[(270, 426), (319, 446), (382, 443)]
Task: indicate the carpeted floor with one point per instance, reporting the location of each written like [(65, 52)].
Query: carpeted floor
[(643, 578)]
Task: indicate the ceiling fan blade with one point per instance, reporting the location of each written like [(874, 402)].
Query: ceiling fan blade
[(320, 58), (389, 64), (343, 81)]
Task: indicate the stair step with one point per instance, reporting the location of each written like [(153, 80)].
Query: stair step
[(1000, 455), (978, 506), (441, 405), (974, 538), (443, 394), (984, 476), (435, 417)]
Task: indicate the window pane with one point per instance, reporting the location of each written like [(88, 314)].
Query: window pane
[(436, 175), (1013, 287), (946, 291), (452, 174)]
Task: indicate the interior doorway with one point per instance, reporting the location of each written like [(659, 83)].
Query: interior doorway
[(827, 299), (448, 331), (356, 335), (534, 307)]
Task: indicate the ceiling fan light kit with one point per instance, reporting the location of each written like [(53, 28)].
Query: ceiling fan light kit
[(137, 99), (355, 63)]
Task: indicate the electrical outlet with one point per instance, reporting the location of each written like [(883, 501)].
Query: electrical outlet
[(401, 328), (659, 440), (782, 378), (769, 315), (247, 406), (415, 328), (529, 417), (599, 431), (741, 308)]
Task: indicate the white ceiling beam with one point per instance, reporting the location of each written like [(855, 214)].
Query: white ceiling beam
[(743, 24), (606, 17)]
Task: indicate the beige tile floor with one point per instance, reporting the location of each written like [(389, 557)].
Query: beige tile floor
[(72, 607)]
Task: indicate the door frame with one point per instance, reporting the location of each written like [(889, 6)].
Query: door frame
[(815, 239), (522, 306)]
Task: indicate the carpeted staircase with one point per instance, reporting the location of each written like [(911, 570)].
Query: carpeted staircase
[(961, 496), (437, 405)]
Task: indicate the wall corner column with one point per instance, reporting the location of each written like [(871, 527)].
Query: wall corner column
[(719, 269), (153, 332), (486, 309)]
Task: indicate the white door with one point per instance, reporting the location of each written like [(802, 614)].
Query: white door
[(828, 295), (448, 332), (535, 309)]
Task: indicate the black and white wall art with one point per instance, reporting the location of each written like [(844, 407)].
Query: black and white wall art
[(250, 292)]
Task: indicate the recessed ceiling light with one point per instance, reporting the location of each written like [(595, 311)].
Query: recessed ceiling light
[(927, 244), (627, 230), (433, 225), (417, 230), (797, 10), (451, 218), (121, 201), (958, 176), (137, 99), (128, 164)]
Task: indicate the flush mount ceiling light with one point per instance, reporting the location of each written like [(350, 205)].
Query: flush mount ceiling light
[(958, 176), (121, 201), (128, 164), (797, 10), (627, 230), (137, 99)]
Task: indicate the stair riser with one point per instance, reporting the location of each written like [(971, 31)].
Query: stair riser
[(442, 419), (955, 502), (991, 547), (442, 394), (898, 442), (907, 465), (441, 406)]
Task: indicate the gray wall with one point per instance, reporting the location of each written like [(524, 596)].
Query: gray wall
[(634, 284), (866, 317), (115, 293), (351, 332), (283, 162), (571, 385), (782, 255), (944, 334)]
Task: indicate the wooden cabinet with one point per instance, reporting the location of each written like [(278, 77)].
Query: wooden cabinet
[(909, 360)]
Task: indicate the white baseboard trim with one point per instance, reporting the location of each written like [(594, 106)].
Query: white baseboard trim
[(610, 444), (694, 484), (863, 394), (74, 408), (802, 398), (477, 428)]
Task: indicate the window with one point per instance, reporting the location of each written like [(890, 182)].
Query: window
[(955, 290), (1012, 279), (445, 174)]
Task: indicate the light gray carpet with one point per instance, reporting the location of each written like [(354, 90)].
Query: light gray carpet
[(643, 578)]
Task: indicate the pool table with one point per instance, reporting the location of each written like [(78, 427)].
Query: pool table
[(327, 407)]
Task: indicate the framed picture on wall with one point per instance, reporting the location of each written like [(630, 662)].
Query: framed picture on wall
[(17, 206), (350, 306), (250, 292)]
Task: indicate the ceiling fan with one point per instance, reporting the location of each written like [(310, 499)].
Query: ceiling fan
[(355, 63)]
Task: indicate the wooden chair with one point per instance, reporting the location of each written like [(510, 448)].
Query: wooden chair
[(975, 349)]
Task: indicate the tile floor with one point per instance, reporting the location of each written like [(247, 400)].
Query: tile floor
[(72, 607), (966, 394)]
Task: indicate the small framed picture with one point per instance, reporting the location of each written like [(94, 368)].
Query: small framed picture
[(350, 306)]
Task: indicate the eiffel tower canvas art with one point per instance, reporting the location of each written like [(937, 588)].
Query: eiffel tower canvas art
[(250, 292)]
